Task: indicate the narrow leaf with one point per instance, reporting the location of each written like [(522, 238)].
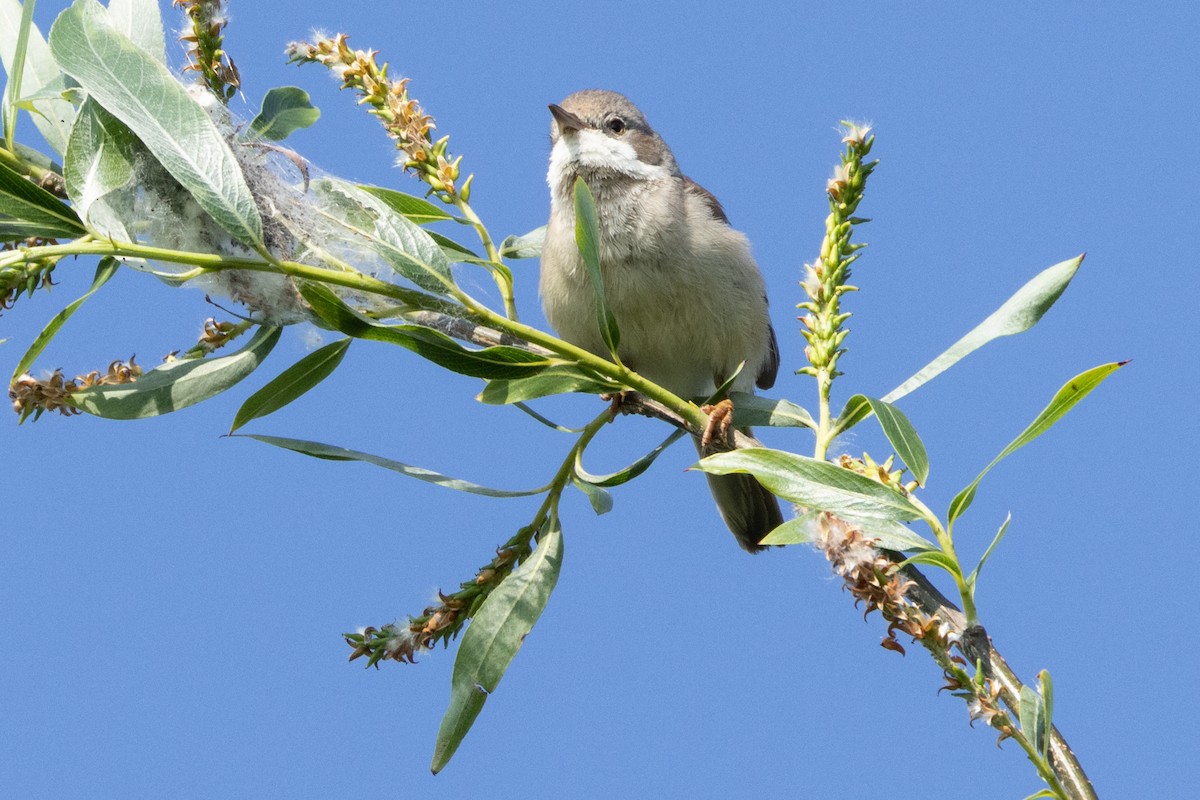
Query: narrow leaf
[(549, 423), (52, 115), (814, 484), (1018, 314), (12, 89), (176, 385), (1032, 714), (498, 362), (890, 534), (902, 436), (794, 531), (557, 379), (404, 245), (106, 269), (494, 637), (753, 411), (629, 473), (31, 205), (143, 94), (528, 245), (141, 21), (600, 498), (292, 383), (587, 238), (416, 209), (974, 576), (935, 558), (1063, 401), (99, 160), (284, 109), (333, 453), (1046, 690)]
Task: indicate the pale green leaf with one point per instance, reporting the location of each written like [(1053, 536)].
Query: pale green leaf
[(1063, 401), (494, 637), (1046, 690), (143, 94), (753, 411), (902, 436), (291, 383), (404, 245), (33, 207), (106, 269), (1018, 314), (599, 497), (814, 484), (557, 379), (794, 531), (417, 209), (587, 238), (527, 245), (935, 558), (333, 453), (141, 21), (53, 114), (498, 362), (973, 578), (1032, 713), (99, 160), (628, 473), (284, 109), (176, 385)]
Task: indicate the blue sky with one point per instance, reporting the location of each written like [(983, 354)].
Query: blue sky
[(171, 601)]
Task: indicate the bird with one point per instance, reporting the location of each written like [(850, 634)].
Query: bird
[(680, 281)]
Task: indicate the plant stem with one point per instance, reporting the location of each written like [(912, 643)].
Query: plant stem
[(503, 279)]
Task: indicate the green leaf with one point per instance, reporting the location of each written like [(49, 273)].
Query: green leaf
[(106, 269), (1032, 714), (973, 578), (1046, 690), (417, 209), (284, 109), (891, 534), (527, 245), (1063, 401), (500, 361), (141, 21), (12, 89), (935, 558), (753, 411), (404, 245), (549, 423), (1018, 314), (557, 379), (53, 115), (1038, 795), (332, 453), (32, 206), (901, 434), (794, 531), (587, 238), (176, 385), (814, 484), (629, 473), (494, 637), (600, 498), (292, 383), (143, 94), (99, 160)]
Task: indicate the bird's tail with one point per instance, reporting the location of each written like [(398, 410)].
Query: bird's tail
[(750, 511)]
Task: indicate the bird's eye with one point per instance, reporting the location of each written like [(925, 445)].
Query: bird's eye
[(616, 125)]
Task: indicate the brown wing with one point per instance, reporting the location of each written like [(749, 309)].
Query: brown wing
[(770, 369), (766, 375), (713, 204)]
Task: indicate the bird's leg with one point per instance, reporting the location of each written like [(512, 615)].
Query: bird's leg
[(617, 400), (718, 431)]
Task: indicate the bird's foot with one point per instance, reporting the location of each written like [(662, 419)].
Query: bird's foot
[(617, 400), (718, 431)]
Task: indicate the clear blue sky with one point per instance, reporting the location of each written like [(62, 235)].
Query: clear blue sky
[(171, 601)]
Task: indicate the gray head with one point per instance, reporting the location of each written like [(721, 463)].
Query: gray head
[(598, 132)]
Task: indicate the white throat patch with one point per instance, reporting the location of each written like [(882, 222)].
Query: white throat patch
[(593, 150)]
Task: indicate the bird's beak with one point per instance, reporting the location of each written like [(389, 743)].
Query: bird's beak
[(567, 121)]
